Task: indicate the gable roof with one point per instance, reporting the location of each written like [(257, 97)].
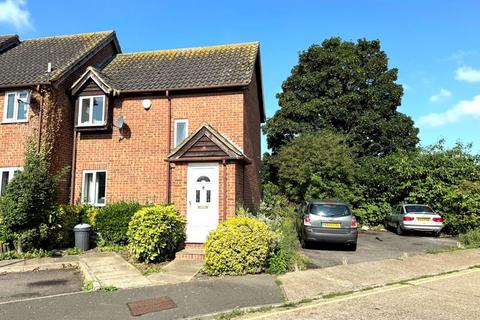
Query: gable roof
[(216, 66), (26, 63), (205, 144), (8, 41)]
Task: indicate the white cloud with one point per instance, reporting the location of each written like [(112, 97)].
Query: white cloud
[(442, 95), (14, 12), (468, 74), (464, 108)]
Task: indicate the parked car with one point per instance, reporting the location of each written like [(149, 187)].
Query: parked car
[(328, 221), (414, 217)]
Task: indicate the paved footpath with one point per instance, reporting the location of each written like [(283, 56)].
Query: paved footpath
[(445, 297), (311, 283), (107, 269)]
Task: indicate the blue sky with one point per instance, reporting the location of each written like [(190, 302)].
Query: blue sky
[(435, 44)]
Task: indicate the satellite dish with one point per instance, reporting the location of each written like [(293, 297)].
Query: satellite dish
[(120, 122), (147, 103)]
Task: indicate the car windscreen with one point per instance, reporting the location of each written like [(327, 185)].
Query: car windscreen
[(413, 209), (330, 210)]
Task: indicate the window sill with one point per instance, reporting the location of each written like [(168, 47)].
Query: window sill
[(90, 125), (14, 121)]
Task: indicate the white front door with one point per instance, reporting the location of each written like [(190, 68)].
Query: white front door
[(202, 201)]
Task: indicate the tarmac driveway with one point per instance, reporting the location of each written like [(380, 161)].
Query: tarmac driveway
[(24, 285), (375, 246)]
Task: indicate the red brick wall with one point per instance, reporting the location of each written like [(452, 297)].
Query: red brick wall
[(13, 136), (136, 167)]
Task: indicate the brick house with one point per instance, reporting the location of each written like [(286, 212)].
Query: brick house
[(171, 126)]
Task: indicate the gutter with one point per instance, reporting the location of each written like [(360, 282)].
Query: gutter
[(74, 165), (40, 124), (169, 143)]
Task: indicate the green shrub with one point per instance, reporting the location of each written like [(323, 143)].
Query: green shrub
[(284, 255), (156, 233), (471, 238), (3, 229), (61, 224), (238, 246), (372, 214), (29, 200), (112, 221)]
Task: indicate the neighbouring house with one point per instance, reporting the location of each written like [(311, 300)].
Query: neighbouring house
[(170, 126)]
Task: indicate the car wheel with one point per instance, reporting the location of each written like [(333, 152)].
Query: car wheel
[(436, 234), (385, 224), (304, 243), (400, 231), (352, 247)]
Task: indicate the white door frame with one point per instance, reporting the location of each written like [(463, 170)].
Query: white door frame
[(202, 200)]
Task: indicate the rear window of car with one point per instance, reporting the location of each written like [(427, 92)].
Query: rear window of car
[(330, 210), (413, 209)]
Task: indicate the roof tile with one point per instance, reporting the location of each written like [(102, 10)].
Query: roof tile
[(225, 65), (27, 62)]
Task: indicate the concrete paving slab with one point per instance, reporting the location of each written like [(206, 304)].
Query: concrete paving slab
[(177, 271), (309, 283)]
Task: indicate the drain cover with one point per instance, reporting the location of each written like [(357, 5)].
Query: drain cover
[(138, 308)]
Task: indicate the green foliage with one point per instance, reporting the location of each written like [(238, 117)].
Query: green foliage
[(348, 88), (156, 233), (87, 285), (238, 246), (29, 201), (316, 165), (61, 222), (38, 253), (446, 179), (471, 238), (112, 220), (3, 228), (285, 253)]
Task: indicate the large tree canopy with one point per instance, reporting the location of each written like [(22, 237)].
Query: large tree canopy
[(347, 88)]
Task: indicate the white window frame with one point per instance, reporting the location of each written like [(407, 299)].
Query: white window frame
[(15, 106), (90, 120), (11, 174), (175, 133), (94, 172)]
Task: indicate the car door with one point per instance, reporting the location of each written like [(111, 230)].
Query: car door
[(396, 215)]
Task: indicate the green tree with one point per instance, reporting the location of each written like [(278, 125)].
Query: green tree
[(316, 165), (30, 202), (348, 88)]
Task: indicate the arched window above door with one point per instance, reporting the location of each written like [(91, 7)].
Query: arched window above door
[(203, 179)]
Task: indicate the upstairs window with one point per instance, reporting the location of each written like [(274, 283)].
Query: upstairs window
[(16, 106), (6, 175), (180, 133), (94, 187), (91, 111)]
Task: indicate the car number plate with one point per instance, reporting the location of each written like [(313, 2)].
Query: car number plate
[(423, 219), (332, 225)]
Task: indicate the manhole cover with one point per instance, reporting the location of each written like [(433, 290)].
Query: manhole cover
[(138, 308)]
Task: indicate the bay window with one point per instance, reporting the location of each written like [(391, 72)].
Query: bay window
[(91, 111)]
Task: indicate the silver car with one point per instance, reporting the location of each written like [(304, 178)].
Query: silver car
[(328, 221), (414, 217)]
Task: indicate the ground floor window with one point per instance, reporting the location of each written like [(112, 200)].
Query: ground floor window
[(6, 175), (94, 187)]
